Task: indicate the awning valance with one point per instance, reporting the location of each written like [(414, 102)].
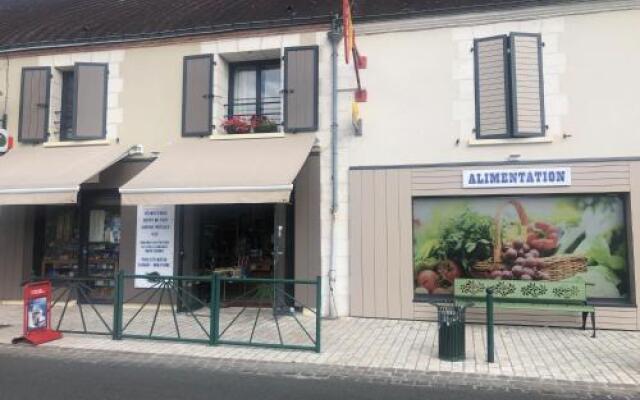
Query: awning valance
[(204, 171), (39, 175)]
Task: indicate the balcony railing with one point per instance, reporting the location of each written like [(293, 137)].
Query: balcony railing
[(251, 115)]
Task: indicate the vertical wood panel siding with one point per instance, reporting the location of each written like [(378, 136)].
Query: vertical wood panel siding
[(16, 257), (307, 260), (381, 238)]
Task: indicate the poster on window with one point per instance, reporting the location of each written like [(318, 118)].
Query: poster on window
[(552, 238), (154, 243)]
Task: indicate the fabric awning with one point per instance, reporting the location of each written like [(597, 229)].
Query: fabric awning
[(40, 175), (204, 171)]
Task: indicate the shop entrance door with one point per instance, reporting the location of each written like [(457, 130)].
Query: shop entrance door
[(81, 241), (100, 242)]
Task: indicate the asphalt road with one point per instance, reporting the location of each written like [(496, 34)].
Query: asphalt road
[(27, 375)]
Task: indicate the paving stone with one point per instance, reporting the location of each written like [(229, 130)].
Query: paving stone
[(391, 351)]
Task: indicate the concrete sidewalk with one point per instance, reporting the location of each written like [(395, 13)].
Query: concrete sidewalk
[(521, 352)]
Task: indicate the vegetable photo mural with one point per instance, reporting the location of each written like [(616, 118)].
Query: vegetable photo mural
[(526, 238)]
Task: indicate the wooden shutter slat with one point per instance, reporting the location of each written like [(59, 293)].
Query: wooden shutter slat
[(527, 90), (301, 89), (34, 104), (90, 101), (491, 87), (197, 95)]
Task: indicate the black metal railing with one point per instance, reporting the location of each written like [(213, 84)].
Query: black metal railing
[(251, 115)]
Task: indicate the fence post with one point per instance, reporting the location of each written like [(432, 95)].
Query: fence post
[(490, 344), (117, 306), (318, 313), (214, 310)]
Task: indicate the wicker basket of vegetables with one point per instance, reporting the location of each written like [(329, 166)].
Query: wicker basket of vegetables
[(530, 256)]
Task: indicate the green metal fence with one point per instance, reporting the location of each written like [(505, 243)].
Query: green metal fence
[(264, 313), (218, 310), (82, 305), (161, 308)]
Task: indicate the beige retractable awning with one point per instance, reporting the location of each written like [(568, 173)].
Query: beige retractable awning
[(39, 175), (204, 171)]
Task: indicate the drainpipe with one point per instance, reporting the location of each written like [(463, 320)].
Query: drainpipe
[(335, 35)]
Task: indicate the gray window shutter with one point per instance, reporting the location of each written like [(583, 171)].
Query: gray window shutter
[(491, 87), (90, 101), (527, 89), (301, 89), (197, 95), (34, 104)]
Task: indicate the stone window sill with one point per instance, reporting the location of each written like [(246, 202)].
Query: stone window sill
[(78, 143), (224, 136), (500, 142)]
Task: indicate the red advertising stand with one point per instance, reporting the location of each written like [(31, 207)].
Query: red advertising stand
[(36, 327)]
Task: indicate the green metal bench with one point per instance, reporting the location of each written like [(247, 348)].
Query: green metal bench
[(512, 294)]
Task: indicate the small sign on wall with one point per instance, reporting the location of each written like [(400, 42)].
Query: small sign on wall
[(154, 243), (529, 177)]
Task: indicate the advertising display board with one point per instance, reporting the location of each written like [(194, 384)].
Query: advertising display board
[(551, 237), (154, 243), (36, 327)]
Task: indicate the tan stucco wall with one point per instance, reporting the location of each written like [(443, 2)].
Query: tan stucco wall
[(421, 100)]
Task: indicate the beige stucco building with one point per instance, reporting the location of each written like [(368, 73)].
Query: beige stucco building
[(129, 124)]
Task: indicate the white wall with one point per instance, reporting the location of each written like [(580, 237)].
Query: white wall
[(422, 97)]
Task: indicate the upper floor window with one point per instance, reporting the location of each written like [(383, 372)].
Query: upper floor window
[(83, 103), (261, 96), (254, 97), (509, 86)]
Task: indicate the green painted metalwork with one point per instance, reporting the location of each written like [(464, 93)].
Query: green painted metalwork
[(270, 290), (78, 291), (167, 291), (490, 343)]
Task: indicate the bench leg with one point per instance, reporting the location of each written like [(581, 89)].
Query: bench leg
[(584, 320), (593, 323)]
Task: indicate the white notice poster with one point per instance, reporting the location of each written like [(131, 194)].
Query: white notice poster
[(154, 243)]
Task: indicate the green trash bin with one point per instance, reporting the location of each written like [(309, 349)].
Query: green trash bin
[(451, 332)]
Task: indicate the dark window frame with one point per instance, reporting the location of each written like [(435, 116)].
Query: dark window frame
[(64, 135), (510, 87), (259, 66)]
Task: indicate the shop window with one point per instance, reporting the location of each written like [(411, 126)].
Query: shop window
[(456, 238), (254, 97), (509, 86)]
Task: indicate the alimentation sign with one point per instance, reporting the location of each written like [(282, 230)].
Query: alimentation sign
[(527, 177)]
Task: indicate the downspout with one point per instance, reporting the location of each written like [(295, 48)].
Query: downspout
[(335, 35)]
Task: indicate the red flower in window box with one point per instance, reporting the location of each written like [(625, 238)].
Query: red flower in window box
[(236, 125)]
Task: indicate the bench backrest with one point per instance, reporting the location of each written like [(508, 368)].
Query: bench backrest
[(573, 292)]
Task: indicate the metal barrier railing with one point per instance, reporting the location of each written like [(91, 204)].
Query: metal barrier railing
[(267, 315), (197, 309), (76, 307), (164, 310)]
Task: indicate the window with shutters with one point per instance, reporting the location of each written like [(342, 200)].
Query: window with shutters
[(509, 86), (254, 97)]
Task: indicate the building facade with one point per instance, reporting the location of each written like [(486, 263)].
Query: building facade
[(475, 118)]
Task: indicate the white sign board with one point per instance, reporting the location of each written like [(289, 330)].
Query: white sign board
[(154, 242), (529, 177)]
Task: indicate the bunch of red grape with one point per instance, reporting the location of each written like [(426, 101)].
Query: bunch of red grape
[(520, 261)]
